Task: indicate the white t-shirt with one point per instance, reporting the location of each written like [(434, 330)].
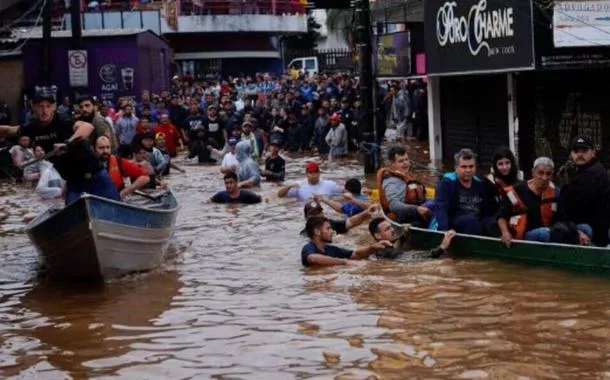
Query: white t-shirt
[(325, 188)]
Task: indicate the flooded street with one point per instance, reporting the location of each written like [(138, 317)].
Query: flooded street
[(233, 302)]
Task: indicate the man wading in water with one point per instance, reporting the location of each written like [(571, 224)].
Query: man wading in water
[(319, 251), (381, 229), (78, 165)]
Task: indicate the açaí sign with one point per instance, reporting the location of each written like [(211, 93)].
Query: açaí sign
[(476, 36)]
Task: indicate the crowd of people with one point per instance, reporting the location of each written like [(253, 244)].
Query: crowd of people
[(246, 124)]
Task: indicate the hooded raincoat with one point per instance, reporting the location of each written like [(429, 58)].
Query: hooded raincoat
[(248, 168)]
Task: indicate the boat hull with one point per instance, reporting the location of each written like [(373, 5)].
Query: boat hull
[(589, 259), (96, 238)]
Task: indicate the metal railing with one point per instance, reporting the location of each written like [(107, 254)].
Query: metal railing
[(195, 7), (242, 7)]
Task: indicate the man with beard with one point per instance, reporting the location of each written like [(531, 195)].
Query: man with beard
[(88, 113), (585, 198), (126, 176), (319, 250), (78, 165)]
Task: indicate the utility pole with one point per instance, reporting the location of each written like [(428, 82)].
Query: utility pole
[(365, 73), (46, 42), (77, 33)]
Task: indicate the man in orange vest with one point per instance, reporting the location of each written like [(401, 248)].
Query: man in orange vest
[(399, 193), (126, 176), (530, 209)]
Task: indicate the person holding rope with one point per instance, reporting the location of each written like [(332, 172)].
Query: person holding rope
[(67, 142)]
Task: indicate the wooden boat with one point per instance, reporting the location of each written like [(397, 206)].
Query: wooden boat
[(95, 238), (590, 259)]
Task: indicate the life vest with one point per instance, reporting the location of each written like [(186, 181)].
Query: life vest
[(508, 191), (115, 172), (415, 192), (548, 208)]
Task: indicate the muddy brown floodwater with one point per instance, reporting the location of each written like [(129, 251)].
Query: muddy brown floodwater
[(233, 302)]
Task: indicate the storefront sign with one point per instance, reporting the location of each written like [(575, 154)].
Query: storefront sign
[(116, 81), (78, 70), (478, 36), (393, 58), (581, 23)]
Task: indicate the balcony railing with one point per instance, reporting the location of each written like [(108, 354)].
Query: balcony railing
[(242, 7), (195, 7)]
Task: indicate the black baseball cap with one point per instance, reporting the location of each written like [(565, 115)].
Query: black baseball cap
[(582, 142), (42, 94)]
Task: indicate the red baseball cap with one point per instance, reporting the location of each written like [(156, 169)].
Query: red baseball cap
[(311, 167)]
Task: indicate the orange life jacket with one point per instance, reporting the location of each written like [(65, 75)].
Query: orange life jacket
[(415, 192), (548, 208), (508, 191), (115, 172)]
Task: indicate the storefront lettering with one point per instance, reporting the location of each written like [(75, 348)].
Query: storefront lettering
[(110, 87), (477, 29)]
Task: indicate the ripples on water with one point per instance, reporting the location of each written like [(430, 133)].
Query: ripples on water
[(233, 302)]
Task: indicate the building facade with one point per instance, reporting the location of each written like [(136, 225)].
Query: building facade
[(474, 51), (508, 72), (117, 64), (226, 36)]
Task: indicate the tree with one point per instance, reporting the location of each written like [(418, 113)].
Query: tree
[(342, 22), (305, 41)]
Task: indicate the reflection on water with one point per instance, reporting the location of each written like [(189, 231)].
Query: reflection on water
[(234, 303)]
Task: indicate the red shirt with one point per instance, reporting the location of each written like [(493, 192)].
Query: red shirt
[(127, 169), (172, 137)]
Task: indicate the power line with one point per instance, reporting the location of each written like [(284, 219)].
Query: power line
[(25, 41), (20, 18)]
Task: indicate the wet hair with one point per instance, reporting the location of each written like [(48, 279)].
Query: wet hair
[(353, 186), (313, 224), (230, 175), (543, 161), (374, 225), (464, 154), (505, 152), (396, 151)]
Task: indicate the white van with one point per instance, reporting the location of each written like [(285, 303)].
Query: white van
[(306, 65)]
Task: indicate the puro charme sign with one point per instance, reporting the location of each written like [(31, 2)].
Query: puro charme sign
[(479, 35), (476, 29)]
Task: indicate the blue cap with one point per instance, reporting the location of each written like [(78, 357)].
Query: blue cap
[(233, 140)]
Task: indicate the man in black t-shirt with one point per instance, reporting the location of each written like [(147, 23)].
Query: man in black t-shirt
[(319, 251), (233, 194), (275, 165), (78, 164)]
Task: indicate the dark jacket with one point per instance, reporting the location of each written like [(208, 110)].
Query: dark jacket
[(446, 199), (586, 199)]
